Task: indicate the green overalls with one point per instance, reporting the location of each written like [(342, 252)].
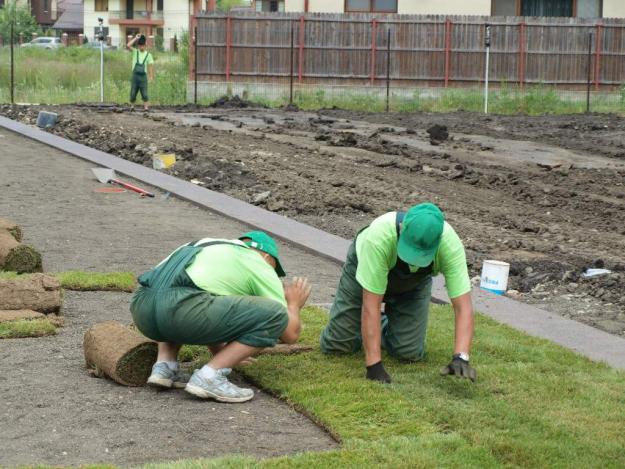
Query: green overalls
[(139, 80), (405, 318), (169, 307)]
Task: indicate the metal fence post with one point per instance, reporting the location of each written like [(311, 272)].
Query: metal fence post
[(12, 65), (448, 25), (487, 67), (374, 34), (291, 60), (598, 56), (589, 71), (302, 37), (195, 65), (388, 69)]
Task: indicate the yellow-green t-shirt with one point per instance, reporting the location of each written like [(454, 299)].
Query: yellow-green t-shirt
[(376, 249), (227, 269), (138, 56)]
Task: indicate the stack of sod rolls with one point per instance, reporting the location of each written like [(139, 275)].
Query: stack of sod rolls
[(15, 256)]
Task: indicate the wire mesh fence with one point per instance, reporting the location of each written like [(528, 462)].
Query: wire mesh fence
[(60, 70)]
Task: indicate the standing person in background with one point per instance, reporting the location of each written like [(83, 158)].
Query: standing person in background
[(142, 70)]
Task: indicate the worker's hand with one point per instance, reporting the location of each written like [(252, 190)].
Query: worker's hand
[(377, 372), (297, 292), (460, 368), (137, 36)]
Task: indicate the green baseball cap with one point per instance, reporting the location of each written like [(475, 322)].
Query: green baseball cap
[(263, 242), (420, 235)]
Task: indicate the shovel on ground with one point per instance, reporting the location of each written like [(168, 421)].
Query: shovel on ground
[(108, 176)]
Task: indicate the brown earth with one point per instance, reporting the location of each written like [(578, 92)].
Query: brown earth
[(543, 193)]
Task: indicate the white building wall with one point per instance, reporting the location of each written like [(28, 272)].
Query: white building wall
[(444, 7), (176, 15), (416, 7), (614, 8)]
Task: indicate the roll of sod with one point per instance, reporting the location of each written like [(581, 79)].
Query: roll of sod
[(37, 292), (13, 228), (17, 257), (114, 350)]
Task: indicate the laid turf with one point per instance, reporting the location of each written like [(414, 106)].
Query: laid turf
[(90, 281), (97, 281), (27, 328), (535, 404)]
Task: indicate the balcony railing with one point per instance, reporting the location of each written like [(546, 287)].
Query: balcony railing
[(135, 15)]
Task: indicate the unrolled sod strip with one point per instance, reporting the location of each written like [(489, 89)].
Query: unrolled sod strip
[(114, 350)]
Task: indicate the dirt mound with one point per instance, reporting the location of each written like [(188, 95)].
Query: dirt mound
[(234, 102), (438, 133)]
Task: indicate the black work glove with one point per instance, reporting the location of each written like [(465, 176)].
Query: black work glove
[(378, 373), (460, 368)]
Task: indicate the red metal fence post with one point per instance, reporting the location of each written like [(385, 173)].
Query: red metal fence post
[(302, 37), (228, 45), (598, 50), (448, 25), (521, 64), (374, 40)]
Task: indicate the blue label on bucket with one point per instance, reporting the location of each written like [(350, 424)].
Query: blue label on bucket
[(492, 290)]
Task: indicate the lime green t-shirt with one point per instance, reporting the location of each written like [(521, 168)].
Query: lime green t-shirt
[(376, 249), (224, 269), (138, 56)]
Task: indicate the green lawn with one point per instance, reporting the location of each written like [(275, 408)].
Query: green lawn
[(535, 404)]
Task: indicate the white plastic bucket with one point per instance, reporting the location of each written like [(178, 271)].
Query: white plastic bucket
[(495, 277)]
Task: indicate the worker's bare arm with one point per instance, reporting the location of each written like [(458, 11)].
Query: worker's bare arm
[(296, 293)]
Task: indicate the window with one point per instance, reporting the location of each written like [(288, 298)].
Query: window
[(547, 8), (589, 9), (101, 5), (374, 6), (159, 5)]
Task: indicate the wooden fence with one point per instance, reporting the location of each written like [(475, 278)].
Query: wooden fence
[(354, 49)]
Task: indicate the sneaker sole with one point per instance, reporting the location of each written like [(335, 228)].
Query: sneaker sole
[(179, 385), (160, 382), (204, 394)]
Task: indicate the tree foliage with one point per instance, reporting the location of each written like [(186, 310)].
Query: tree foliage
[(23, 20)]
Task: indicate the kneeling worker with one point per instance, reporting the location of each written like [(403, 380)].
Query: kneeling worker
[(222, 293), (393, 261)]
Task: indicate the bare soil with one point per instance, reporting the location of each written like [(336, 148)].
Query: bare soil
[(544, 193), (53, 412)]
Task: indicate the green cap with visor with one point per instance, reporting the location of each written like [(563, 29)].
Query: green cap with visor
[(420, 234), (265, 243)]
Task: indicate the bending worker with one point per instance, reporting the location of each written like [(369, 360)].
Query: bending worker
[(393, 261), (222, 293)]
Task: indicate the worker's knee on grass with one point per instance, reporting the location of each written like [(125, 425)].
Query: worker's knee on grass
[(407, 354), (330, 344)]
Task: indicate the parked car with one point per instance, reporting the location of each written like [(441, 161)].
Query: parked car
[(44, 43), (96, 45)]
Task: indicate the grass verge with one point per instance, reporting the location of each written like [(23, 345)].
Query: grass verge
[(27, 328), (90, 281), (535, 404)]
